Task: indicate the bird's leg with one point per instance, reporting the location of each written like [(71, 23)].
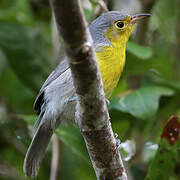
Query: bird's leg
[(72, 99)]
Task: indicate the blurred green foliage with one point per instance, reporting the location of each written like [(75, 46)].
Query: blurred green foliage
[(167, 156), (147, 94)]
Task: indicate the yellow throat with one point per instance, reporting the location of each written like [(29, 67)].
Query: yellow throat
[(111, 59)]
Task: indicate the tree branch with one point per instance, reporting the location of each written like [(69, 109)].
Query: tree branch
[(55, 157), (91, 111)]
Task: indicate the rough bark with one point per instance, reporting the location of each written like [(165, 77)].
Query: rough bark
[(91, 111)]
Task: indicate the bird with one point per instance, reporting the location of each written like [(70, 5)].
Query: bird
[(56, 101)]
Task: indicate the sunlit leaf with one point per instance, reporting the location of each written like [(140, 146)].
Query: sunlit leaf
[(142, 103)]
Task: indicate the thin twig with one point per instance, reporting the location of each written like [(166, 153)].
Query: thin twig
[(101, 8), (55, 157), (103, 5), (12, 140)]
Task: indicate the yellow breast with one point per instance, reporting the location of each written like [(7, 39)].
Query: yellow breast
[(111, 62)]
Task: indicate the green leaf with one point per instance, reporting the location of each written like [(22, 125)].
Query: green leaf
[(18, 96), (16, 11), (29, 118), (166, 162), (121, 122), (168, 83), (71, 137), (165, 19), (142, 103), (160, 63), (141, 52), (2, 62), (25, 51)]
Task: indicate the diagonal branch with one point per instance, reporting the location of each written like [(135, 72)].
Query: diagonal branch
[(91, 111)]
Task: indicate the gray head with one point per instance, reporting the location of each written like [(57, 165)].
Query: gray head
[(113, 20)]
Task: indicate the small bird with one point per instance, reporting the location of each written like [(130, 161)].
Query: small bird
[(56, 101)]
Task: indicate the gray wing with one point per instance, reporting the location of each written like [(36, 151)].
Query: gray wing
[(60, 69), (52, 101)]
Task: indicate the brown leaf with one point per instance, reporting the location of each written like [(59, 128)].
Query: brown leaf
[(171, 131)]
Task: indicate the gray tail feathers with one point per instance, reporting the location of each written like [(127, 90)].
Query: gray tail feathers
[(36, 150)]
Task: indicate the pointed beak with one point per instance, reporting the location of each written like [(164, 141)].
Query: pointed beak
[(137, 17)]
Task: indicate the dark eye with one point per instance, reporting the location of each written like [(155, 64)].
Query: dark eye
[(120, 24)]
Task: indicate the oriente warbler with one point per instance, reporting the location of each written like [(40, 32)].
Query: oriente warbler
[(56, 100)]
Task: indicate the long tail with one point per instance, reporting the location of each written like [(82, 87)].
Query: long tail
[(36, 150)]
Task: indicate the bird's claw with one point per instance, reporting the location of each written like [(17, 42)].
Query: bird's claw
[(118, 142)]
